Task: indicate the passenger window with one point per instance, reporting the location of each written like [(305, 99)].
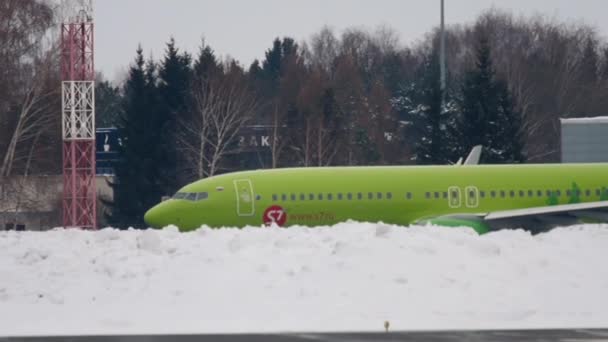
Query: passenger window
[(539, 193), (559, 193), (588, 193), (275, 197), (370, 196), (482, 194), (258, 197), (597, 192), (330, 197), (349, 196), (293, 197), (445, 195), (512, 193), (522, 193), (302, 197), (548, 192), (379, 195), (284, 198), (493, 194), (502, 194), (427, 195), (530, 193), (389, 195), (568, 193), (311, 197), (360, 196), (320, 197), (339, 196), (409, 196)]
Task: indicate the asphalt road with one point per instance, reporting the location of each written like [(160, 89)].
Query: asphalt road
[(566, 335)]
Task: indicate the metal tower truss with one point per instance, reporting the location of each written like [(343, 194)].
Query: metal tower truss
[(77, 51), (78, 99), (79, 194), (78, 121)]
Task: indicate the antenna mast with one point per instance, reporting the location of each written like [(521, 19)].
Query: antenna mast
[(78, 115), (442, 51)]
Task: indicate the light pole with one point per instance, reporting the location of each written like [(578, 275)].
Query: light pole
[(442, 52)]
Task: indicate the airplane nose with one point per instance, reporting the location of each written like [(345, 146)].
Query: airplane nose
[(153, 217)]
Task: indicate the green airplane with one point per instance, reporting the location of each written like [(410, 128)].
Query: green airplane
[(482, 197)]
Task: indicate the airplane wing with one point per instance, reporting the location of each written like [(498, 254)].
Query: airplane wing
[(577, 209), (535, 219)]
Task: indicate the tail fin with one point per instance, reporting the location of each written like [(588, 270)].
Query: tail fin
[(474, 156)]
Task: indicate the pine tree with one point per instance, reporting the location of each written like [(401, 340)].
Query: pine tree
[(175, 76), (488, 116), (206, 65), (255, 70), (107, 104), (137, 182), (422, 105), (271, 66), (479, 102), (428, 114), (509, 139)]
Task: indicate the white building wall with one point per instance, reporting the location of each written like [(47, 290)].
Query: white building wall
[(584, 140)]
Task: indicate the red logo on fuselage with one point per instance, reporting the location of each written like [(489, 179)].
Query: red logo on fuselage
[(276, 215)]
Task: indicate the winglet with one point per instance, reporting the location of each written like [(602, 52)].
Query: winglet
[(474, 156)]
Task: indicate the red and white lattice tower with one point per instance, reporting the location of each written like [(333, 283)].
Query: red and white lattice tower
[(78, 120)]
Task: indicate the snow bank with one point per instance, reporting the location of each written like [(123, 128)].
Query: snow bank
[(352, 276)]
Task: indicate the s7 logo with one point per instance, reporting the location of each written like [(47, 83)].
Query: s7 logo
[(275, 214)]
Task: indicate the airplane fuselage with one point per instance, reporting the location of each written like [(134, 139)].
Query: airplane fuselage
[(396, 194)]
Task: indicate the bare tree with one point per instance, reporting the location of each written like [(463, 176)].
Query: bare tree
[(195, 130), (279, 141), (36, 114), (223, 105), (316, 141), (28, 68), (324, 49)]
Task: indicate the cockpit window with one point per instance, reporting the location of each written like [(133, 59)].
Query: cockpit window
[(191, 196), (180, 195)]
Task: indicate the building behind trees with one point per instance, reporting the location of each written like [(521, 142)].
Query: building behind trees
[(584, 140)]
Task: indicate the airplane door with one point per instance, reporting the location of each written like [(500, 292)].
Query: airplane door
[(454, 197), (472, 196), (245, 204)]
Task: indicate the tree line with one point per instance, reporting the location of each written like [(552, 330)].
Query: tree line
[(356, 97), (360, 98)]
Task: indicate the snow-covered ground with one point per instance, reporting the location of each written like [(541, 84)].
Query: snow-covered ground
[(352, 276)]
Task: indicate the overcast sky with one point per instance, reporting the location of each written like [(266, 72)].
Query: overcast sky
[(244, 29)]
